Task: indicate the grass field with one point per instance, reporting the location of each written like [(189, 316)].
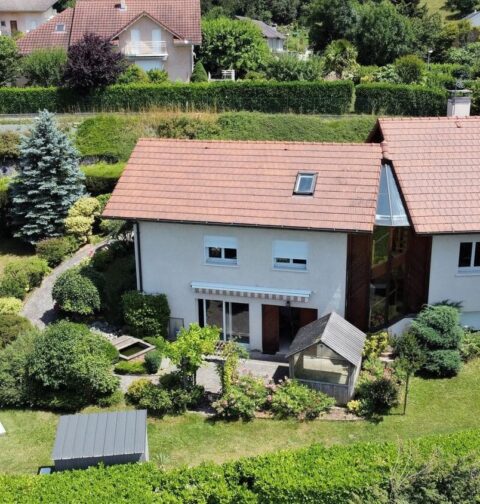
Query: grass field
[(435, 407)]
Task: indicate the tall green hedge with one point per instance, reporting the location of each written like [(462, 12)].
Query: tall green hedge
[(400, 99), (299, 97), (337, 475)]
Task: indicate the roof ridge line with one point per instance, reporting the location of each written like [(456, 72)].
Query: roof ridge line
[(260, 142)]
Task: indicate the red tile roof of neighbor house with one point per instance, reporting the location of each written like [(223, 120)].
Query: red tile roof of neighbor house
[(250, 184), (437, 163), (104, 18)]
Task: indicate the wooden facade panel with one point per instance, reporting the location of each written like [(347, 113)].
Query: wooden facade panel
[(418, 271), (270, 328)]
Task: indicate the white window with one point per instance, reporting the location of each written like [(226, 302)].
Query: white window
[(60, 27), (221, 250), (290, 255), (305, 183), (469, 257)]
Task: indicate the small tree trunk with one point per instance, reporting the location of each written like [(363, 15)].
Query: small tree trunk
[(407, 383)]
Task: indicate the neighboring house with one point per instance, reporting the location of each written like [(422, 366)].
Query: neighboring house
[(158, 34), (474, 19), (262, 238), (274, 38), (24, 15)]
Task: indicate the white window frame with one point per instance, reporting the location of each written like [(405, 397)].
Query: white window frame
[(286, 252), (223, 243), (471, 268), (300, 175)]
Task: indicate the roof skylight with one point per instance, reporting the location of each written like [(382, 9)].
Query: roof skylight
[(390, 209), (305, 184)]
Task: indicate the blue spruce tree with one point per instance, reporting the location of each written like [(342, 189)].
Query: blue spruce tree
[(49, 182)]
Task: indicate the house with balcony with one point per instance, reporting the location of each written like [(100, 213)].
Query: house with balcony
[(263, 238), (23, 16), (158, 34)]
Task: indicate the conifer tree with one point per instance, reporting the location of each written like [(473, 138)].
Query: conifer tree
[(50, 181)]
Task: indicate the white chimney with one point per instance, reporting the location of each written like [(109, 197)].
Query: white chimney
[(459, 103)]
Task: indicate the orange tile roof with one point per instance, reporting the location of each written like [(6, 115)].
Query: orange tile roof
[(437, 163), (181, 17), (249, 184)]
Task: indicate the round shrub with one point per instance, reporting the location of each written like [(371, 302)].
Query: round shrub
[(133, 74), (11, 326), (469, 349), (379, 395), (410, 69), (155, 400), (10, 306), (22, 275), (112, 400), (14, 285), (76, 293), (153, 360), (81, 217), (136, 390), (146, 314), (55, 250), (157, 76), (443, 363)]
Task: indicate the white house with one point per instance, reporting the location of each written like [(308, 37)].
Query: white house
[(275, 39), (154, 35), (24, 15), (261, 238), (474, 18)]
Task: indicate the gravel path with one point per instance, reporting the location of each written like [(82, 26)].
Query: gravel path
[(39, 307)]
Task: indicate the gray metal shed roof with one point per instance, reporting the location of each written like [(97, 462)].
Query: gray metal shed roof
[(26, 5), (335, 332), (474, 18), (269, 32), (100, 435)]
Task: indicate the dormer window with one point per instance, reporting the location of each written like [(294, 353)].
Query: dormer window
[(305, 184), (60, 27)]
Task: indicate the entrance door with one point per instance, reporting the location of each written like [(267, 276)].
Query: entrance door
[(280, 325), (13, 27)]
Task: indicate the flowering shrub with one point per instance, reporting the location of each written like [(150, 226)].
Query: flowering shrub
[(292, 399), (246, 396)]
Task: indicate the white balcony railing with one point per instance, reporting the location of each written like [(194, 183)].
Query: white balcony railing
[(145, 48)]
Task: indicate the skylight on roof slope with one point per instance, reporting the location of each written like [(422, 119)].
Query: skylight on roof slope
[(390, 209)]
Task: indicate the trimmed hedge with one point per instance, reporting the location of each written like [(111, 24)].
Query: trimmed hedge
[(319, 97), (336, 475), (400, 99)]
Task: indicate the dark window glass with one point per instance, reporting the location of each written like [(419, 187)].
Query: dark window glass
[(240, 322), (230, 253), (282, 260), (215, 252), (476, 261), (465, 256), (299, 261), (305, 184), (201, 315)]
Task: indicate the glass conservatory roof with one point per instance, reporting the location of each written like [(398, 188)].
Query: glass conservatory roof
[(390, 209)]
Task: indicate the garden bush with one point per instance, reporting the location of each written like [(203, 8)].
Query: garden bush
[(11, 326), (77, 291), (377, 396), (101, 178), (443, 363), (55, 250), (44, 67), (70, 367), (131, 368), (438, 330), (400, 99), (375, 345), (469, 348), (81, 217), (22, 275), (156, 76), (153, 361), (410, 69), (342, 474), (9, 145), (146, 314), (133, 74), (10, 306), (292, 399), (319, 97), (199, 73)]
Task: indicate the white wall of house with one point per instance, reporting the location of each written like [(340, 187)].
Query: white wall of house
[(448, 281), (275, 44), (26, 21), (179, 60), (173, 256)]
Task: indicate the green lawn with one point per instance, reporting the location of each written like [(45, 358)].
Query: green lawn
[(11, 248), (436, 406)]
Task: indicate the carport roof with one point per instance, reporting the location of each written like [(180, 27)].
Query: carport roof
[(100, 435)]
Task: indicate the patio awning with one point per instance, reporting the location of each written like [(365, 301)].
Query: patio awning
[(298, 296)]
